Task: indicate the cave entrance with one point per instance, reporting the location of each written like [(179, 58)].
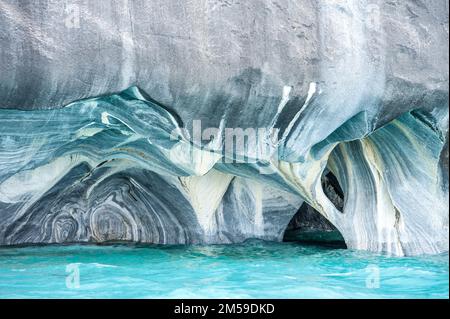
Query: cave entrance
[(308, 226)]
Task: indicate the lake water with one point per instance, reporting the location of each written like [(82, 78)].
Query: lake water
[(254, 269)]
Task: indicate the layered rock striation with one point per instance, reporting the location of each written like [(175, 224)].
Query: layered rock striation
[(101, 104)]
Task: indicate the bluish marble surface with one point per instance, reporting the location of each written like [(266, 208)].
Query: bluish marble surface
[(91, 94), (123, 167)]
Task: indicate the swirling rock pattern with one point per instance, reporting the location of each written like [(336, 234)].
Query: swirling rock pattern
[(357, 89)]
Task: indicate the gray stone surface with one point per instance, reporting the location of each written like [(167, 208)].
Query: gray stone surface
[(358, 88)]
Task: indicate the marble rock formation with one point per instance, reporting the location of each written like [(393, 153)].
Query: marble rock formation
[(99, 102)]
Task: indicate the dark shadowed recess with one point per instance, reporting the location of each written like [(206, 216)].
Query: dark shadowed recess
[(308, 226)]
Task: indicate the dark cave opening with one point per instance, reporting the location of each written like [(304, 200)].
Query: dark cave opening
[(308, 226), (333, 190)]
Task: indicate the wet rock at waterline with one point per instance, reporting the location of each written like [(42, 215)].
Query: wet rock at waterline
[(131, 142)]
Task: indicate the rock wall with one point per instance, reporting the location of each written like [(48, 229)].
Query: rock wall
[(357, 88)]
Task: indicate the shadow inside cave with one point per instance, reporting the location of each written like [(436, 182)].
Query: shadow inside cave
[(308, 226)]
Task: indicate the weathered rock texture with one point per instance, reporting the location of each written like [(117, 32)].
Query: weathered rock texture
[(356, 88)]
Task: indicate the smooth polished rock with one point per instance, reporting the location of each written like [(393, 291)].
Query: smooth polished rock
[(99, 100)]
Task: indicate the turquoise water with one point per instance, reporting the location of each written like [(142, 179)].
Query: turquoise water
[(251, 270)]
